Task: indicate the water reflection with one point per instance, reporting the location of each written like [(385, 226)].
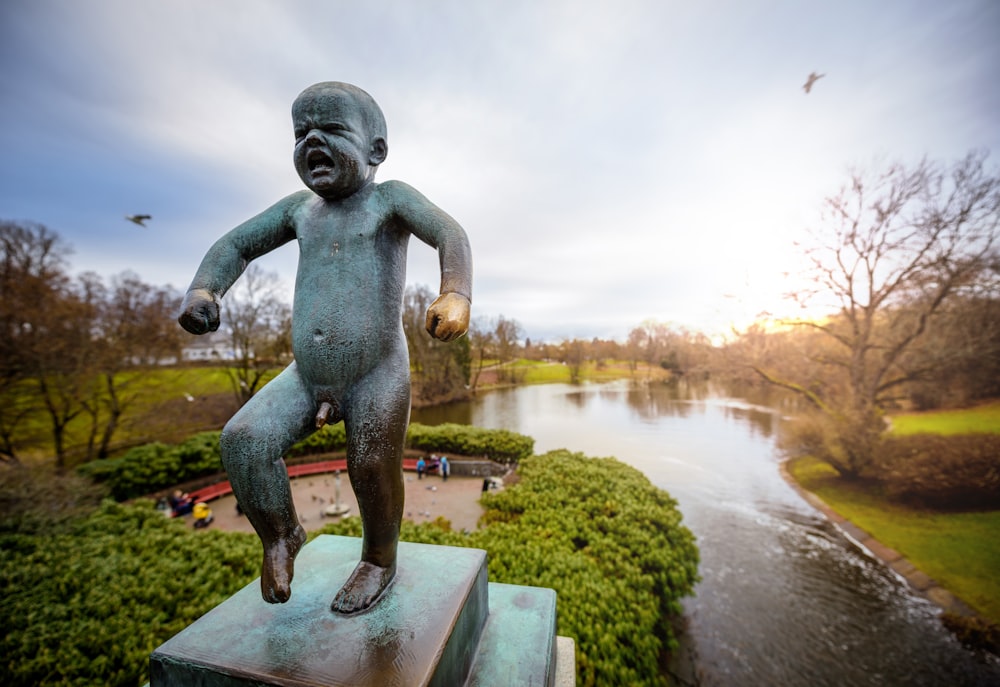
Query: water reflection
[(785, 599)]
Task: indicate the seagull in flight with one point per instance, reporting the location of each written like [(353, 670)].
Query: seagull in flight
[(138, 219), (813, 78)]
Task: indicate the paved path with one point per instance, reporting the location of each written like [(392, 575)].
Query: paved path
[(456, 500)]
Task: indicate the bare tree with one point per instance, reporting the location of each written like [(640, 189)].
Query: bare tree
[(47, 347), (506, 337), (960, 356), (574, 354), (440, 370), (897, 245), (64, 362), (134, 329), (32, 270), (482, 342), (258, 323)]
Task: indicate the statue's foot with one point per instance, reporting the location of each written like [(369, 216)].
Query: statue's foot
[(279, 566), (363, 587)]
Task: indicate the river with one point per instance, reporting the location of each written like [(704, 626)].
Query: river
[(785, 599)]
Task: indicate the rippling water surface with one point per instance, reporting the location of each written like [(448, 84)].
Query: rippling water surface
[(785, 598)]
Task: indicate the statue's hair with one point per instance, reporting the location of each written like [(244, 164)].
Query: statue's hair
[(371, 113)]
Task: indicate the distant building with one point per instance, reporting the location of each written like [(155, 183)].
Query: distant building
[(214, 346)]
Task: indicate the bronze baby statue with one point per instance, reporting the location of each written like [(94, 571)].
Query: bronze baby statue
[(351, 360)]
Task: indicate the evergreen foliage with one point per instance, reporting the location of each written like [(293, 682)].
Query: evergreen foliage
[(500, 445), (609, 542), (85, 605), (154, 467)]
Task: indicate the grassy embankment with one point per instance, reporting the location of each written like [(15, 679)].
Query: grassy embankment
[(961, 551), (157, 409), (546, 372)]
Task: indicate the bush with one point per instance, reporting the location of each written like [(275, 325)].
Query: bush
[(610, 544), (845, 441), (500, 445), (957, 472), (330, 439), (36, 499), (87, 606), (154, 467)]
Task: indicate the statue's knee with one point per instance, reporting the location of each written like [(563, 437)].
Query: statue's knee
[(237, 441)]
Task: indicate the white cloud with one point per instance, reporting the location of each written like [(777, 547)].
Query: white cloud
[(611, 162)]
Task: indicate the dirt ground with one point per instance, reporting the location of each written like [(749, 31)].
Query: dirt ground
[(456, 500)]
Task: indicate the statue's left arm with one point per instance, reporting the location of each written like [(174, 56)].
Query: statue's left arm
[(448, 316), (228, 258)]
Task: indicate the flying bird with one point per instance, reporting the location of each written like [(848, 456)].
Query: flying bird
[(813, 78), (138, 219)]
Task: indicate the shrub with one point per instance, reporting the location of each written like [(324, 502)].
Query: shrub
[(845, 441), (88, 604), (610, 544), (957, 472), (500, 445), (153, 467), (38, 499), (330, 439)]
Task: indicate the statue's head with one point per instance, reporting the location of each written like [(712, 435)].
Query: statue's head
[(340, 138)]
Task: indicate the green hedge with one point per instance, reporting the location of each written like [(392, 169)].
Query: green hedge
[(154, 467), (85, 605), (330, 439), (610, 543), (953, 472), (500, 445)]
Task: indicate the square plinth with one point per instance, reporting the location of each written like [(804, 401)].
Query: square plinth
[(425, 630), (518, 647)]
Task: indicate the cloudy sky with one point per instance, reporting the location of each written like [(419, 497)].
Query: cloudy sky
[(611, 161)]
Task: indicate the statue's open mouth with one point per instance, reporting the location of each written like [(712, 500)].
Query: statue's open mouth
[(319, 162)]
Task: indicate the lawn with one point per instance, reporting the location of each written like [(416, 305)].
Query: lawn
[(961, 551), (982, 418), (156, 408), (544, 372)]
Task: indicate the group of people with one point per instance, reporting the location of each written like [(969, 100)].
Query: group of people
[(182, 503), (439, 464)]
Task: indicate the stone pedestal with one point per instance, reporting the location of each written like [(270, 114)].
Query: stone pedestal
[(441, 623)]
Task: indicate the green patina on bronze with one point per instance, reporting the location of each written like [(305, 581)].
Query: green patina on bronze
[(439, 625), (351, 359)]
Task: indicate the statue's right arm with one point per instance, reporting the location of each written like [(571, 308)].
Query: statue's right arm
[(229, 256)]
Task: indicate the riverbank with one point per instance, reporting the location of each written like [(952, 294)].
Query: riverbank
[(959, 615)]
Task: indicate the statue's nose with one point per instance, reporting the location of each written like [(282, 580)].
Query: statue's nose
[(314, 138)]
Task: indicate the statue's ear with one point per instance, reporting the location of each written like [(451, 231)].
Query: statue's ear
[(378, 152)]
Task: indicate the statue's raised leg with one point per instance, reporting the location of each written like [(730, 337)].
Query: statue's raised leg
[(253, 443)]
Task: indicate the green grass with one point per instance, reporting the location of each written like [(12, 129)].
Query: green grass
[(144, 392), (983, 418), (540, 372), (961, 551)]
